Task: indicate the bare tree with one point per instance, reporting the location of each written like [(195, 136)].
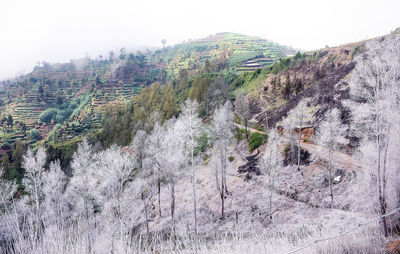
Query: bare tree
[(138, 146), (80, 192), (297, 119), (146, 177), (144, 183), (55, 210), (113, 171), (271, 163), (174, 162), (242, 108), (189, 127), (222, 128), (374, 86), (33, 182), (332, 135), (153, 150), (7, 189), (216, 94)]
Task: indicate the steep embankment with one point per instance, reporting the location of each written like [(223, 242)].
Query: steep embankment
[(321, 76)]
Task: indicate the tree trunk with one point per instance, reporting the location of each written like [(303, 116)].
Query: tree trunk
[(330, 176), (298, 150), (194, 207), (159, 197), (145, 213), (194, 194), (247, 131), (382, 202), (270, 204), (173, 209), (223, 190)]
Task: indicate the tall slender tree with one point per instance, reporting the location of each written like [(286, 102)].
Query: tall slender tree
[(174, 161), (222, 128), (297, 119), (189, 126), (271, 163), (242, 108), (33, 182), (331, 135), (154, 151)]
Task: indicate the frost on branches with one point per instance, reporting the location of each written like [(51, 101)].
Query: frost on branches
[(374, 88)]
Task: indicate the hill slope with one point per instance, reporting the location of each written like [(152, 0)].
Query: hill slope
[(118, 78)]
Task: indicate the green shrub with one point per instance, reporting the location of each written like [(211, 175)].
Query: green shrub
[(48, 115), (282, 65), (231, 158), (202, 144), (256, 140), (34, 134)]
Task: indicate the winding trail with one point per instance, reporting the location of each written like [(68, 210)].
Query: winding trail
[(338, 159)]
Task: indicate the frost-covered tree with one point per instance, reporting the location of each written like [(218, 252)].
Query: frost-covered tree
[(113, 171), (153, 151), (7, 221), (33, 182), (189, 128), (242, 108), (271, 163), (296, 120), (331, 135), (222, 128), (81, 193), (138, 146), (7, 189), (174, 160), (147, 176), (54, 202), (374, 86), (217, 93), (144, 183)]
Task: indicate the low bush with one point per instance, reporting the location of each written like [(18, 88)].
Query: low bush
[(68, 110), (256, 140), (202, 144), (34, 134)]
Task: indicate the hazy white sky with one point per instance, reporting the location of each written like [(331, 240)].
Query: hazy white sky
[(58, 30)]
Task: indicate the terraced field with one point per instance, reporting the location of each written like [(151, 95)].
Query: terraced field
[(235, 49), (48, 86)]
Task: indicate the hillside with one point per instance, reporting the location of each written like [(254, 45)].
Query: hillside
[(221, 50), (74, 95), (270, 156)]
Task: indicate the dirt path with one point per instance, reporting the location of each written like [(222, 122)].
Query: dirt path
[(339, 159)]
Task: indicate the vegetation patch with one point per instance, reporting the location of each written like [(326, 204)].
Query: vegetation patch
[(256, 140)]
